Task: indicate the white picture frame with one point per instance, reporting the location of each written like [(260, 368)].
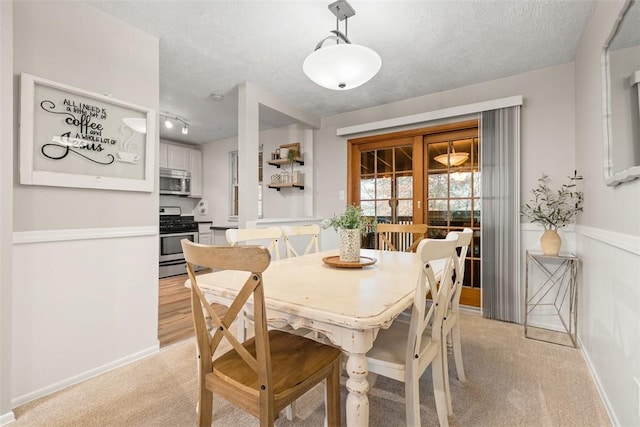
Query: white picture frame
[(70, 137)]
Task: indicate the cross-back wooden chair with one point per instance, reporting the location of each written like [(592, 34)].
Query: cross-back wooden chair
[(312, 230), (451, 321), (270, 237), (403, 237), (255, 375), (405, 350)]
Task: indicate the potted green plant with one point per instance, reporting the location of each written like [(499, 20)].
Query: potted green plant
[(553, 209), (350, 225)]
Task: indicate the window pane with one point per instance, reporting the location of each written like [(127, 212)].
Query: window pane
[(460, 213), (437, 185), (477, 184), (404, 158), (385, 161), (368, 208), (404, 187), (460, 184), (437, 233), (367, 162), (437, 213), (434, 150), (367, 189), (405, 211), (476, 273), (477, 205), (383, 211), (383, 188)]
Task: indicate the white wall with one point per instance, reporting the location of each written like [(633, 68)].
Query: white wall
[(287, 203), (6, 207), (84, 305), (608, 239)]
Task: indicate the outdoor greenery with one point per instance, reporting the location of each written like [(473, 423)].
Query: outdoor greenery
[(554, 208), (351, 219)]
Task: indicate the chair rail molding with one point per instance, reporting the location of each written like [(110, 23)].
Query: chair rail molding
[(41, 236), (622, 241)]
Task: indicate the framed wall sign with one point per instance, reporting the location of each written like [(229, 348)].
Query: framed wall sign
[(70, 137)]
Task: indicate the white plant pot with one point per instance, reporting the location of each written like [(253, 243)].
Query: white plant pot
[(349, 245)]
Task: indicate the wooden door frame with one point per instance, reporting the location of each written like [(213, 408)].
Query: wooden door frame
[(416, 137)]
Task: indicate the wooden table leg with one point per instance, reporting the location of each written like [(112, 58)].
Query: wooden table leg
[(357, 386)]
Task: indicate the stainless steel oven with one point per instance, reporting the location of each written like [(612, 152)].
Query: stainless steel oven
[(172, 260), (170, 247), (173, 228)]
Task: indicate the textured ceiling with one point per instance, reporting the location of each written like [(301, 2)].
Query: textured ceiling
[(426, 46)]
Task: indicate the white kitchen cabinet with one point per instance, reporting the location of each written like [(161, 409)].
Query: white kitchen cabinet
[(188, 159), (220, 238), (204, 233), (195, 167), (162, 156), (204, 238), (177, 157)]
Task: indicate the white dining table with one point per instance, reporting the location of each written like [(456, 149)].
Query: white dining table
[(347, 305)]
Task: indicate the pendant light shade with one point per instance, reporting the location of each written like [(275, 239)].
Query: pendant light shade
[(453, 159), (342, 66)]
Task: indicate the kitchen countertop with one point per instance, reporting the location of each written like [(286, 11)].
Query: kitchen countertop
[(222, 227)]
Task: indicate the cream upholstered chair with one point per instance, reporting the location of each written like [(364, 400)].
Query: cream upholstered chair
[(312, 230), (254, 375), (405, 350), (403, 237), (451, 321)]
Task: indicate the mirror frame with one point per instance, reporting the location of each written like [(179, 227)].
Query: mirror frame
[(610, 176)]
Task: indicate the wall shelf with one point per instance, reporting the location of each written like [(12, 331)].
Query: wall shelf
[(279, 186), (279, 162)]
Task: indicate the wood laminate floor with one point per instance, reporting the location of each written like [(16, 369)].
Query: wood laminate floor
[(174, 311)]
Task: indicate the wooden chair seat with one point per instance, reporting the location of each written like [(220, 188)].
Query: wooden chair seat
[(232, 376)]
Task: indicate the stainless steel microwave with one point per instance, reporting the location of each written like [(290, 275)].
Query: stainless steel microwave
[(174, 181)]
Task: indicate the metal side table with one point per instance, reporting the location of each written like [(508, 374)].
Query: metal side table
[(551, 307)]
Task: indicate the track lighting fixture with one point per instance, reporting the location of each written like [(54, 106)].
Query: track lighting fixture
[(170, 118)]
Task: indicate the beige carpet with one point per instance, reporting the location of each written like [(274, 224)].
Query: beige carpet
[(511, 381)]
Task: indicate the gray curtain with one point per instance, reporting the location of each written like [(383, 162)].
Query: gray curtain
[(500, 240)]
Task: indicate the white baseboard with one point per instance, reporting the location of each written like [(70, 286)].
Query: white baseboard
[(7, 418), (596, 380), (21, 400)]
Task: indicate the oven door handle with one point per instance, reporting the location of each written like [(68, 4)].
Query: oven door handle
[(191, 233)]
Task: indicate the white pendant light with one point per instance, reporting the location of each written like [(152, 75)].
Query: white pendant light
[(343, 65), (452, 159), (168, 124)]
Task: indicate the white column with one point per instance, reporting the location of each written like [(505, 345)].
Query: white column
[(248, 143)]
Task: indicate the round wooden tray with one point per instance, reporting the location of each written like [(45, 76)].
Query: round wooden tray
[(334, 261)]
